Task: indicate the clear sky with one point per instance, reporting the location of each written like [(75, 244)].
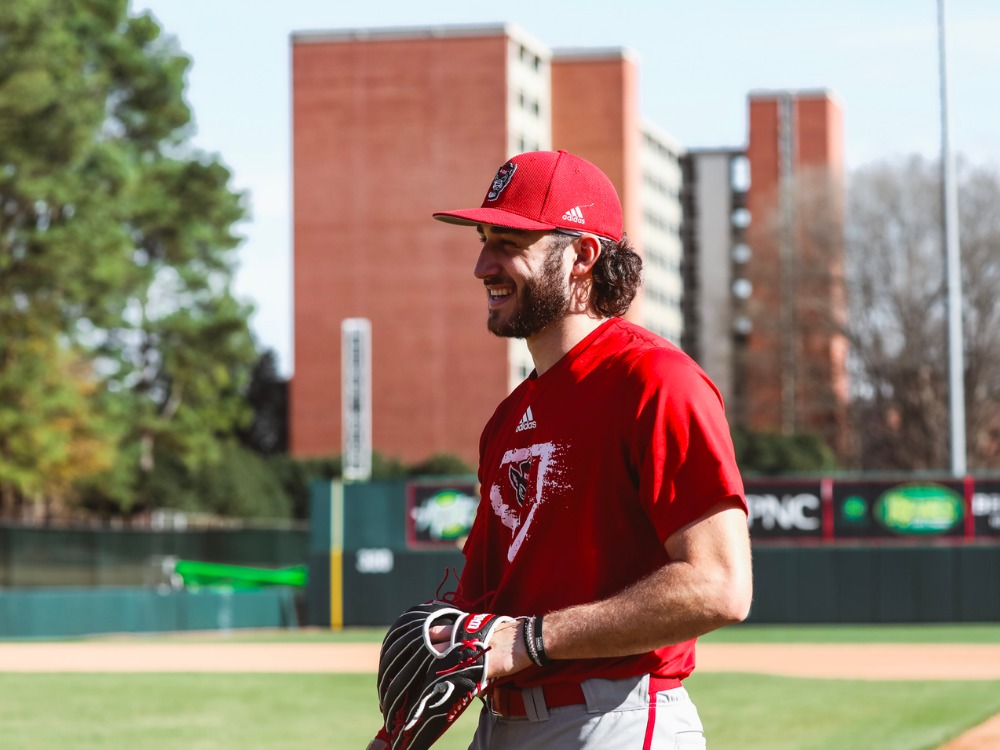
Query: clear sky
[(697, 62)]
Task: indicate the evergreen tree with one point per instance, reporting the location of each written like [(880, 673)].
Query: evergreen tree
[(116, 251), (267, 395)]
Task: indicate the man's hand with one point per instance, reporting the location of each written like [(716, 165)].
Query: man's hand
[(508, 654)]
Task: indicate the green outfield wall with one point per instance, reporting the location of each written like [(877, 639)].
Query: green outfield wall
[(825, 551), (69, 612), (877, 584), (58, 582), (398, 543), (41, 556)]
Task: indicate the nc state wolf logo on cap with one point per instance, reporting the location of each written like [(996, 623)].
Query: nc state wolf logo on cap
[(501, 181)]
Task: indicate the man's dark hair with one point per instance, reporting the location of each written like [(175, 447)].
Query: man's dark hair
[(617, 277), (617, 274)]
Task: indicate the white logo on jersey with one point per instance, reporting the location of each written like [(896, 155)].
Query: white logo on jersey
[(545, 476), (527, 421)]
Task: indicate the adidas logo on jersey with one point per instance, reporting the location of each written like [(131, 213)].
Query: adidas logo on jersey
[(575, 215), (527, 421)]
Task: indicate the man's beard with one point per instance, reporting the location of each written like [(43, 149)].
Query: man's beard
[(542, 300)]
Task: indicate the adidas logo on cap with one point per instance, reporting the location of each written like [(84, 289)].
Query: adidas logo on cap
[(575, 215)]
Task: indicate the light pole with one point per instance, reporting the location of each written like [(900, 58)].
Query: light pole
[(956, 359)]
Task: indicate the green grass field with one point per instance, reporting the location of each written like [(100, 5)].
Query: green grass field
[(330, 712), (942, 633), (938, 633)]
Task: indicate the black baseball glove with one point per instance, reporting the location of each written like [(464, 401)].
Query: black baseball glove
[(423, 687)]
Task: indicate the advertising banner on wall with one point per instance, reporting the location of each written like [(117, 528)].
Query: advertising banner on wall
[(985, 508), (785, 510), (439, 514), (914, 509)]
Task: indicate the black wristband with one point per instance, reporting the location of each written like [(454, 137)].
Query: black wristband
[(543, 658), (533, 643), (528, 632)]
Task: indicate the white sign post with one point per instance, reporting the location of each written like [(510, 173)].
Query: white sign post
[(356, 398)]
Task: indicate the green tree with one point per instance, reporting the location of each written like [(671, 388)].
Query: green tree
[(53, 432), (775, 453), (440, 464), (240, 485), (267, 395), (116, 240)]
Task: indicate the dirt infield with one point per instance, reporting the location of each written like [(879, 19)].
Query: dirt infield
[(831, 661), (826, 661)]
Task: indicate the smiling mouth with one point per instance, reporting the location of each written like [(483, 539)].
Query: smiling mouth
[(499, 293)]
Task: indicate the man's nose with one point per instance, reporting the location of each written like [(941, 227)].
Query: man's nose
[(486, 264)]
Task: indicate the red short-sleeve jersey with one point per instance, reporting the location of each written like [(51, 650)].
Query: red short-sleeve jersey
[(585, 472)]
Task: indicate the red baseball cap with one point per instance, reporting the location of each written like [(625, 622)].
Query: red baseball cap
[(547, 190)]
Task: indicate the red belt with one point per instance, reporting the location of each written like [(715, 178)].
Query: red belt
[(509, 701)]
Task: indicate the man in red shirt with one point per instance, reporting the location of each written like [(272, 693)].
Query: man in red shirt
[(612, 521)]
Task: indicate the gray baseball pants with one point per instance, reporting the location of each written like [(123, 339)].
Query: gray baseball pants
[(617, 714)]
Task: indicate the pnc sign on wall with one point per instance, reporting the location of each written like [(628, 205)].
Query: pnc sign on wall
[(919, 509)]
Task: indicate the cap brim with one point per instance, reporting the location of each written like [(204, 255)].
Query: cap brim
[(491, 216)]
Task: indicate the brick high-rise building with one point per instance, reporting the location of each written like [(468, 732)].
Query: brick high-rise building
[(392, 125), (795, 364), (764, 302)]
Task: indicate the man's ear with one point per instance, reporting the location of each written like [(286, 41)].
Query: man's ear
[(588, 250)]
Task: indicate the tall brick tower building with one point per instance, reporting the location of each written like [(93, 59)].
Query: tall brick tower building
[(794, 364), (392, 125)]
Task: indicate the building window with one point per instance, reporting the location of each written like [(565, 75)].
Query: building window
[(739, 173), (742, 288), (529, 58), (741, 253), (741, 218)]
